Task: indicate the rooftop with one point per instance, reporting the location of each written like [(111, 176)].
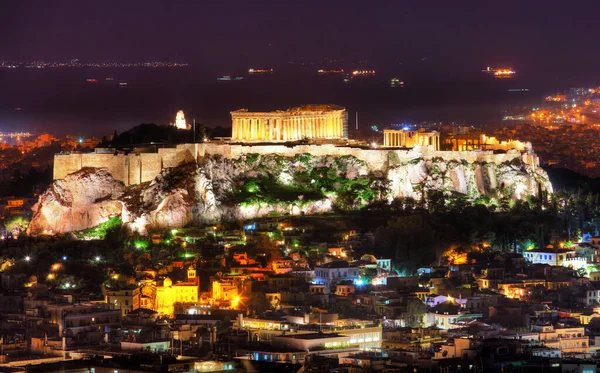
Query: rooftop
[(335, 264), (318, 335)]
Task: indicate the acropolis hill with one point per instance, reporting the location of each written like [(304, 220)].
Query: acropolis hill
[(284, 162)]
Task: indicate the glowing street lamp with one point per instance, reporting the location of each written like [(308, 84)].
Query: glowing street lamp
[(27, 258)]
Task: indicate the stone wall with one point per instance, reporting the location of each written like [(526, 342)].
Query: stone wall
[(136, 167)]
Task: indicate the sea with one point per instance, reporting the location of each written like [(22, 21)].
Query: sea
[(88, 101)]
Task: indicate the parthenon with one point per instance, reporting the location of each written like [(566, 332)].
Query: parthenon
[(304, 122), (408, 139)]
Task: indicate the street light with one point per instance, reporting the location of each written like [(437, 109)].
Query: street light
[(27, 258)]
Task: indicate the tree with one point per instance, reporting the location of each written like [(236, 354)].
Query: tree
[(415, 311), (410, 238), (19, 222), (368, 274), (257, 304)]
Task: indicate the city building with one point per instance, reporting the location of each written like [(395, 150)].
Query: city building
[(224, 290), (555, 257), (335, 272), (169, 293), (126, 300)]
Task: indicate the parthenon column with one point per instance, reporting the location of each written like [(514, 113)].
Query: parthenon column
[(242, 131), (331, 127), (318, 127), (294, 128), (285, 130), (279, 124), (248, 129), (333, 131), (258, 129)]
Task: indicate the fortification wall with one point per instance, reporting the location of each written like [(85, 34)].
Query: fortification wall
[(135, 168), (65, 164)]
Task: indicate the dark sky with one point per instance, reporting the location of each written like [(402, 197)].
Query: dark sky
[(543, 36)]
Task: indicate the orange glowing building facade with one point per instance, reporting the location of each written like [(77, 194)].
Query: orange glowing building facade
[(311, 122)]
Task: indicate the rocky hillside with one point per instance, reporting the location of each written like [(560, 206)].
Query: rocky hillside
[(252, 186)]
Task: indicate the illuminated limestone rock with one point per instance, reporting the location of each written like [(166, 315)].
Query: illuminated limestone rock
[(250, 186), (81, 200), (180, 121)]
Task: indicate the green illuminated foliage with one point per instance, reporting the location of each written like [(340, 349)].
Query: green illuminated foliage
[(102, 229)]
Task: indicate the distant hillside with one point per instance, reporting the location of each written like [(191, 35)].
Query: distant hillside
[(146, 133), (563, 179)]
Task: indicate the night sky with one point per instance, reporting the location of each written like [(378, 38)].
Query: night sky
[(544, 36), (437, 47)]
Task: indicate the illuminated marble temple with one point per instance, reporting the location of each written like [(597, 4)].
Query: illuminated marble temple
[(311, 122), (409, 139)]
